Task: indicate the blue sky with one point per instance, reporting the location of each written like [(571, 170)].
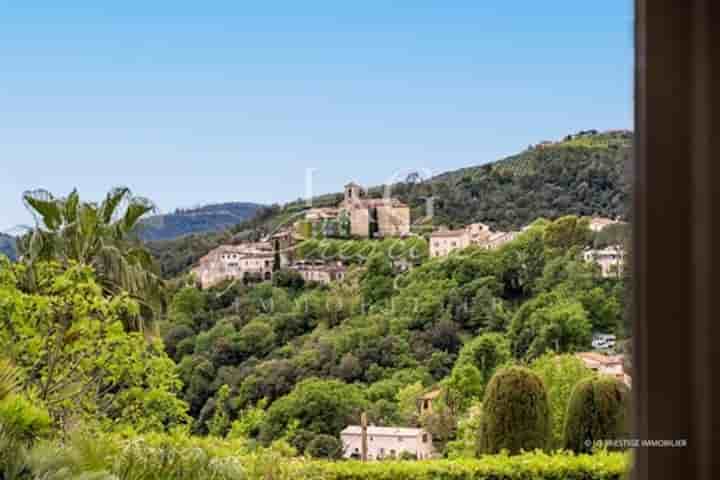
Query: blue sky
[(199, 102)]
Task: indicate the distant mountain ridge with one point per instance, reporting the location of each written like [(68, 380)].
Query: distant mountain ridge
[(204, 219), (7, 246)]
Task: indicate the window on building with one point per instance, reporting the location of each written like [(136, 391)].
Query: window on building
[(424, 438)]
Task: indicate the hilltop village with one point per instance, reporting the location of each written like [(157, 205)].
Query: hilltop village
[(360, 217)]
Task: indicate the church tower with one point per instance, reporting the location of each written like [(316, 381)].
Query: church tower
[(353, 192)]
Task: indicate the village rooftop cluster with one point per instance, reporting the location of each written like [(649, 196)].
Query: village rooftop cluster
[(359, 217)]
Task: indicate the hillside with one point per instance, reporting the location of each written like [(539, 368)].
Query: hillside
[(209, 218), (7, 246), (583, 174)]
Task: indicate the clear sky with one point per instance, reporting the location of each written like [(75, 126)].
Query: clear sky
[(200, 102)]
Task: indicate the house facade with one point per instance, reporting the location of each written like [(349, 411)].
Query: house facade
[(387, 442), (610, 260), (320, 272), (235, 262), (613, 365), (443, 242)]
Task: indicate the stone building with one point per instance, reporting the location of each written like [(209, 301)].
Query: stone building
[(320, 272), (374, 217), (245, 262), (387, 442), (442, 242)]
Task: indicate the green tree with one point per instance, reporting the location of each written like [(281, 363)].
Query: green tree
[(598, 410), (319, 406), (97, 235), (550, 321), (486, 353), (560, 374), (567, 232), (516, 415), (324, 446), (69, 341)]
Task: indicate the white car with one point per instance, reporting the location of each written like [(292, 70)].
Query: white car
[(603, 341)]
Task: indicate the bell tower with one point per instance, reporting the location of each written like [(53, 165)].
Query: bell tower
[(353, 192)]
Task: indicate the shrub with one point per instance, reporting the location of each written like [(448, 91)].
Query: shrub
[(324, 446), (534, 465), (598, 410), (516, 415)]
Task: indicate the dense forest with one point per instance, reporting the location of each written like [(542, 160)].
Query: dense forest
[(584, 174)]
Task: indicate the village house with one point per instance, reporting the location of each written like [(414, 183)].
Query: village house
[(498, 239), (612, 365), (249, 261), (610, 260), (320, 272), (387, 442), (598, 223), (443, 242)]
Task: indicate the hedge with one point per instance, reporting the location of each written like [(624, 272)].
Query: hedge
[(527, 466)]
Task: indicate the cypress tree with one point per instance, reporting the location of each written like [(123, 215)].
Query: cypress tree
[(516, 414), (597, 411)]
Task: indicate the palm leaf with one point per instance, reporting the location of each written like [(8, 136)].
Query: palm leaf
[(112, 201), (44, 207)]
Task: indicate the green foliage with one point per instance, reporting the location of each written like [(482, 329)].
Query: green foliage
[(69, 231), (22, 420), (516, 415), (535, 465), (598, 410), (319, 406), (568, 232), (70, 343), (324, 446), (550, 321), (179, 457), (219, 424), (560, 374)]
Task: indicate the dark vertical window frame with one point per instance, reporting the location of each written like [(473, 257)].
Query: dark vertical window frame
[(676, 283)]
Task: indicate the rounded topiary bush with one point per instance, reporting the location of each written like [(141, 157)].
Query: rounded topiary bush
[(516, 415), (324, 446), (597, 411)]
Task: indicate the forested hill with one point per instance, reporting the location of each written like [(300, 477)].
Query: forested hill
[(209, 218), (582, 174), (7, 246)]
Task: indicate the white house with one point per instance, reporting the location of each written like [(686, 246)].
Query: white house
[(387, 442)]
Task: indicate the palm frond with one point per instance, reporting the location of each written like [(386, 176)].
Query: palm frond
[(9, 378), (112, 201), (44, 208)]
